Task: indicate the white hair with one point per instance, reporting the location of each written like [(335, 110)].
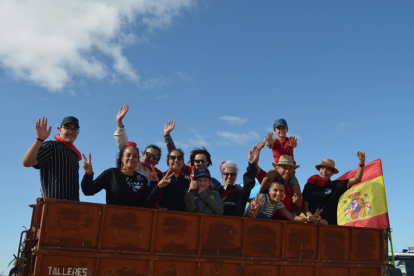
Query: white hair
[(228, 164)]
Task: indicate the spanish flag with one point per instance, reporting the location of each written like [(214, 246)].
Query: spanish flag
[(365, 204)]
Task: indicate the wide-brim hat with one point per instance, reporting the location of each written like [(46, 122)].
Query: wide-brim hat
[(327, 163), (286, 160)]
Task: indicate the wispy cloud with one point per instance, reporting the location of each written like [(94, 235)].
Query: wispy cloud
[(155, 83), (47, 42), (234, 121), (237, 138), (162, 97), (185, 77)]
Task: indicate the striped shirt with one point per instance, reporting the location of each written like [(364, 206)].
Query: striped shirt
[(267, 209), (59, 171)]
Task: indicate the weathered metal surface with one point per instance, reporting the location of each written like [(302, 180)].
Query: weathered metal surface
[(96, 239)]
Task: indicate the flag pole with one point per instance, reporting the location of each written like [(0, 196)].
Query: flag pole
[(392, 250)]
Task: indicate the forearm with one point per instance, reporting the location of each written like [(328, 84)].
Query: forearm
[(249, 177), (305, 209), (358, 177), (169, 143), (266, 181), (189, 201), (29, 158), (121, 137)]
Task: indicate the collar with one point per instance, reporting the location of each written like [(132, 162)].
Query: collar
[(317, 180), (70, 146)]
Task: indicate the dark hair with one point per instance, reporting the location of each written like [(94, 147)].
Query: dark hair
[(168, 156), (196, 151), (152, 146), (277, 181), (118, 161)]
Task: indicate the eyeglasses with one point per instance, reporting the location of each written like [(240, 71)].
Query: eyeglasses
[(70, 129), (201, 160), (231, 174), (156, 157), (172, 157)]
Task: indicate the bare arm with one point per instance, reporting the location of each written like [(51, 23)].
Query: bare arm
[(120, 134), (266, 180), (42, 133), (360, 170), (306, 209), (313, 218)]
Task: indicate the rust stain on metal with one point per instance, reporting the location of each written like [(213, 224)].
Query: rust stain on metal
[(259, 270), (301, 243), (335, 245), (220, 240), (262, 240), (174, 225), (123, 271), (126, 221), (366, 245), (218, 269)]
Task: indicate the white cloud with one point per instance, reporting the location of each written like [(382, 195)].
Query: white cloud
[(237, 138), (185, 77), (155, 83), (162, 97), (49, 42), (234, 121)]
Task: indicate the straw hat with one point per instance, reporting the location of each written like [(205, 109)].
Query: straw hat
[(286, 160), (327, 163)]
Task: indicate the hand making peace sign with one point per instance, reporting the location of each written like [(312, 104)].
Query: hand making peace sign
[(153, 174), (255, 205), (87, 164), (165, 180)]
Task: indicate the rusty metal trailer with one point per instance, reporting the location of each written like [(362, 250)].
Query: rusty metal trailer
[(77, 238)]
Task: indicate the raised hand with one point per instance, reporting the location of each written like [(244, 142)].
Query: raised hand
[(254, 155), (153, 174), (41, 129), (261, 144), (87, 164), (269, 138), (165, 180), (361, 157), (169, 126), (293, 142), (255, 205), (121, 114), (193, 184)]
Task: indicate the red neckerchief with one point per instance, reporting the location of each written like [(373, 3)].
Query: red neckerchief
[(156, 170), (318, 179), (70, 146), (228, 193), (180, 172)]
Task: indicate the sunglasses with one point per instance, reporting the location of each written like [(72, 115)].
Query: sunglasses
[(172, 157), (201, 160), (231, 174), (153, 156)]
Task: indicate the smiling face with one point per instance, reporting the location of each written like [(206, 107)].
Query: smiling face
[(199, 157), (175, 161), (276, 192), (231, 176), (68, 134), (203, 182), (150, 160), (284, 171), (325, 173), (130, 157), (281, 132)]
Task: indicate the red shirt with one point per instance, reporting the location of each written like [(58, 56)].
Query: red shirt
[(282, 148)]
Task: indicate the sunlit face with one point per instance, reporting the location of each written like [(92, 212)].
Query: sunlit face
[(130, 157), (284, 171), (200, 157), (325, 173), (229, 179), (203, 182), (276, 192), (281, 131), (69, 136), (175, 161), (150, 160)]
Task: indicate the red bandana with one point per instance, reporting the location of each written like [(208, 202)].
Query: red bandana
[(318, 179), (70, 146), (155, 169), (227, 193), (196, 190), (180, 172)]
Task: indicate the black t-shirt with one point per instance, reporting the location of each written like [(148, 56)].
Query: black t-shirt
[(325, 197), (121, 189), (172, 196)]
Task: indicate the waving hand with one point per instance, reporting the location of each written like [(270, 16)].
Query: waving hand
[(41, 129)]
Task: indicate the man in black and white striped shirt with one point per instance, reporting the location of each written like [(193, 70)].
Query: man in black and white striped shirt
[(58, 161)]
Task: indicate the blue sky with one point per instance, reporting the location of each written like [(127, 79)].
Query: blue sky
[(340, 73)]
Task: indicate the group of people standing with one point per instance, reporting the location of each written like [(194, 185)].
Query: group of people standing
[(189, 187)]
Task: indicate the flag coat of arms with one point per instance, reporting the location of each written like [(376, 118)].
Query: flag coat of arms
[(365, 204)]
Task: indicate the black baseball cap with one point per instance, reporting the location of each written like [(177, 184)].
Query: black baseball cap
[(68, 120), (201, 172)]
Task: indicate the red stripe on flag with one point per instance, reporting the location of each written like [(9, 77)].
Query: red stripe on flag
[(381, 221), (372, 170)]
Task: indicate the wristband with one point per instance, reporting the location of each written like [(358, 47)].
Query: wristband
[(308, 218), (39, 139), (361, 165)]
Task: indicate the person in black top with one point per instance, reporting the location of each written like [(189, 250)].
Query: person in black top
[(58, 161), (124, 186), (234, 199), (171, 190), (322, 193)]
